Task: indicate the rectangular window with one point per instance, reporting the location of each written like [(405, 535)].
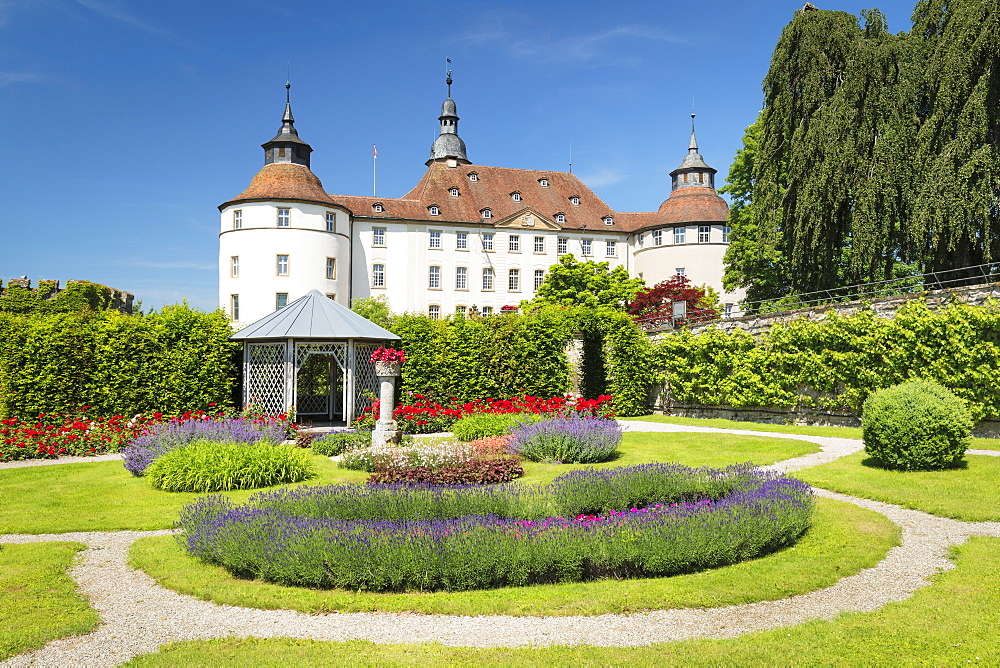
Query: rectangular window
[(679, 271), (487, 310), (488, 242), (679, 235), (434, 311), (435, 240), (611, 248), (237, 223), (234, 306), (332, 297), (488, 278), (461, 278), (727, 310), (378, 236), (378, 275), (514, 244), (235, 261), (460, 309), (282, 265), (726, 231), (657, 237), (539, 278), (562, 246), (539, 244), (331, 268), (284, 217), (331, 221), (587, 246), (703, 233), (280, 300), (514, 280), (462, 241), (434, 278)]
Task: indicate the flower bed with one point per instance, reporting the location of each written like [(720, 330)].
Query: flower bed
[(579, 440), (428, 452), (396, 538)]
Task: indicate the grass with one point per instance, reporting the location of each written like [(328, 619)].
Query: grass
[(843, 540), (971, 493), (36, 500), (954, 621), (38, 600)]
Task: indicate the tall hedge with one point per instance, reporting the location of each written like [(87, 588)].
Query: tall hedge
[(837, 362), (173, 361)]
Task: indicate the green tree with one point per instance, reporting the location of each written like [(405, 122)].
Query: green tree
[(590, 284), (375, 309)]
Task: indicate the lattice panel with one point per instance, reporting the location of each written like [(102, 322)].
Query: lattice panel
[(264, 378), (304, 350), (365, 381)]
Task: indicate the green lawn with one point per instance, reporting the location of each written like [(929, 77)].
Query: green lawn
[(103, 496), (38, 600), (806, 430), (971, 493), (954, 621)]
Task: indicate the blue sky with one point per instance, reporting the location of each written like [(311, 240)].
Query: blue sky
[(126, 123)]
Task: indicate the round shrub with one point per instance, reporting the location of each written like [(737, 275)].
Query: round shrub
[(212, 466), (917, 425), (481, 425), (337, 442), (574, 440)]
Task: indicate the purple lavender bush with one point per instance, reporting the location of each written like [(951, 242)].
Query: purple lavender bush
[(575, 440), (167, 436)]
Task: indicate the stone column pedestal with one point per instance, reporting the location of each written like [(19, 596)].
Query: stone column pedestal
[(386, 429)]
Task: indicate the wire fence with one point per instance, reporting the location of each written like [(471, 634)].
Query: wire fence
[(896, 287)]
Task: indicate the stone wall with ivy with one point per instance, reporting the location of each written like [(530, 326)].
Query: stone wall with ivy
[(17, 296)]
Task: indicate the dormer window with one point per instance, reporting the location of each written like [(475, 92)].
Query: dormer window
[(543, 183), (434, 210), (560, 217), (453, 191), (487, 213), (473, 177), (378, 208), (575, 200), (608, 220), (516, 196)]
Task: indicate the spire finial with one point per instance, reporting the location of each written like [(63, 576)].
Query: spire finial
[(693, 144), (447, 75)]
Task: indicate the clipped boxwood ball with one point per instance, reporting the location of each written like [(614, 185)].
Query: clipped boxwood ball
[(916, 425)]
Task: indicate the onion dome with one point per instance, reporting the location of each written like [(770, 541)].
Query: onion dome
[(448, 147)]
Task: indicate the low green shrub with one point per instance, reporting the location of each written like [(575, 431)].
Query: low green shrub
[(481, 425), (211, 466), (577, 440), (917, 425), (338, 442), (487, 472)]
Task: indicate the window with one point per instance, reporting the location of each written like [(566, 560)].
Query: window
[(514, 243), (611, 248), (560, 217), (487, 278), (562, 245), (453, 192), (487, 310), (657, 237), (587, 247), (462, 241), (378, 275), (539, 278), (539, 244), (487, 213), (608, 220), (378, 207), (726, 231), (640, 239), (235, 264), (473, 177), (679, 235), (332, 297), (461, 278), (575, 200), (331, 268), (703, 233), (282, 265), (237, 225), (378, 236), (514, 280), (679, 271), (434, 311), (434, 278), (435, 240), (543, 183), (284, 217), (488, 241), (727, 310), (234, 306), (516, 196), (280, 300), (434, 210), (460, 309), (330, 222)]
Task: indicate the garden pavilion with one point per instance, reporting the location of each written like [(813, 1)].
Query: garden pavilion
[(314, 355)]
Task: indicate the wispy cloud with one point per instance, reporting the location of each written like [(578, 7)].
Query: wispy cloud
[(8, 78), (110, 11), (181, 264), (605, 176)]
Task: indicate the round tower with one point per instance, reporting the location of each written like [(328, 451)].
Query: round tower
[(283, 235)]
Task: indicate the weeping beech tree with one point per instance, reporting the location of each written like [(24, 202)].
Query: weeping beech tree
[(865, 157)]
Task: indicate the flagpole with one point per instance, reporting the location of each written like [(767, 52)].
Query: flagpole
[(374, 172)]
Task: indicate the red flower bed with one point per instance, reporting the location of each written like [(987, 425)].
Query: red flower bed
[(468, 473)]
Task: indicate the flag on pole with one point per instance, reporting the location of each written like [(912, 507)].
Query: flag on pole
[(374, 151)]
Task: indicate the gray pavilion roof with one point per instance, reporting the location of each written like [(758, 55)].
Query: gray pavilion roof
[(314, 316)]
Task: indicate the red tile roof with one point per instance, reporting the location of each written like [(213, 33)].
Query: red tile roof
[(691, 205), (283, 181)]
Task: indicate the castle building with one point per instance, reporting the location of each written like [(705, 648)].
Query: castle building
[(466, 236)]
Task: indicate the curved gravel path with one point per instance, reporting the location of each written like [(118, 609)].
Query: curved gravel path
[(138, 615)]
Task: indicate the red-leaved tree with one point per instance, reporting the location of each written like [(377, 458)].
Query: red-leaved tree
[(658, 300)]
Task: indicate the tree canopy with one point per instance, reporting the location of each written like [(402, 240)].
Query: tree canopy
[(590, 284)]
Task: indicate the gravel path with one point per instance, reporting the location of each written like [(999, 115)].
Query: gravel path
[(138, 616)]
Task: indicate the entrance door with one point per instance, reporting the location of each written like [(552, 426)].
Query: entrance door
[(319, 390)]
